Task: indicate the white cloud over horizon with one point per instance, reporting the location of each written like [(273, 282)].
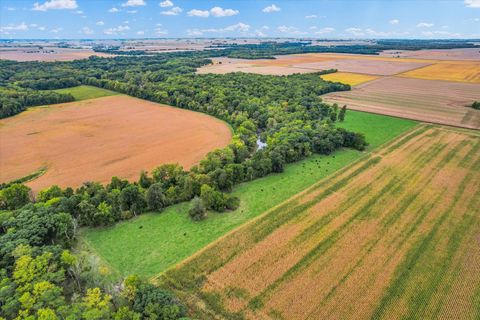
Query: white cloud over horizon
[(134, 3), (166, 4), (217, 12), (394, 21), (172, 12), (55, 5), (271, 8), (472, 3), (425, 25), (240, 27)]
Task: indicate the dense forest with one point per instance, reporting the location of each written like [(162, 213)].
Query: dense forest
[(41, 276)]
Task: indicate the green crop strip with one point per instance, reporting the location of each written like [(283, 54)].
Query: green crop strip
[(407, 138), (413, 257)]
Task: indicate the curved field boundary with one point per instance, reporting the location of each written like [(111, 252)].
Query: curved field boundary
[(104, 137), (388, 237)]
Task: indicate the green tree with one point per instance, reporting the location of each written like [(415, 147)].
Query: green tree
[(155, 197), (341, 115), (197, 211), (14, 197)]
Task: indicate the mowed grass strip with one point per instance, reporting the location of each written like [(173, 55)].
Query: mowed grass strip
[(153, 242), (86, 92), (386, 245)]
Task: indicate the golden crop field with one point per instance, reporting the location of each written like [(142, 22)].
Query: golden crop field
[(395, 235), (349, 78), (462, 71)]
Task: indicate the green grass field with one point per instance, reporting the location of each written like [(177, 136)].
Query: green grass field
[(86, 92), (155, 242)]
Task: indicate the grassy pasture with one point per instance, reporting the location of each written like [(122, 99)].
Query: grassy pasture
[(392, 236), (86, 92), (155, 242)]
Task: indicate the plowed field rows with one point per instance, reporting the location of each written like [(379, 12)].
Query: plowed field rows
[(395, 235)]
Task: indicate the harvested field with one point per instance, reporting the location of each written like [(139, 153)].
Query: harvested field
[(437, 54), (47, 54), (426, 100), (393, 236), (96, 139), (461, 71), (352, 79), (304, 63)]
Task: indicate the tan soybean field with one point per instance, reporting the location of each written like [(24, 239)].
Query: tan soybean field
[(395, 235)]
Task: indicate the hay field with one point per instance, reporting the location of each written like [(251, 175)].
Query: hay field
[(425, 100), (461, 71), (395, 235), (352, 79), (99, 138)]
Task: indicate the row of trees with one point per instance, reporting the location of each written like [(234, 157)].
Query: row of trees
[(14, 100)]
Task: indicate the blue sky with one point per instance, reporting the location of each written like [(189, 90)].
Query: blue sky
[(103, 19)]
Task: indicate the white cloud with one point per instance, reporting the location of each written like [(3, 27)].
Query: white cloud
[(440, 33), (172, 12), (134, 3), (425, 25), (79, 12), (357, 32), (476, 19), (394, 21), (290, 30), (11, 9), (140, 33), (100, 23), (271, 8), (160, 31), (325, 30), (198, 13), (472, 3), (113, 10), (116, 30), (56, 30), (312, 16), (220, 12), (132, 11), (41, 28), (14, 27), (217, 12), (55, 5), (166, 4), (87, 30), (239, 27), (260, 33)]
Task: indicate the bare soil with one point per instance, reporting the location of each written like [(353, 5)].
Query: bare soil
[(96, 139)]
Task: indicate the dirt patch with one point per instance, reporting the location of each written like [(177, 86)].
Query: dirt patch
[(100, 138), (426, 100)]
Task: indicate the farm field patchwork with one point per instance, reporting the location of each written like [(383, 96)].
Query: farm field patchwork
[(352, 79), (104, 137), (395, 235), (86, 92), (462, 71), (426, 100), (153, 242), (304, 63)]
